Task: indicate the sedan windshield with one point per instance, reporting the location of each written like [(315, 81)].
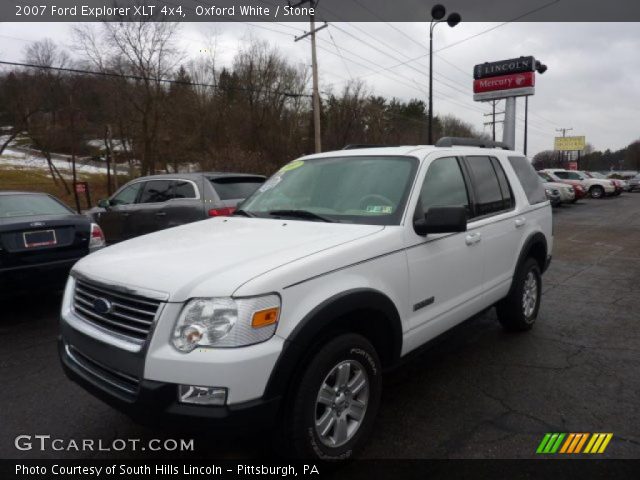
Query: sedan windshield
[(24, 205), (368, 190)]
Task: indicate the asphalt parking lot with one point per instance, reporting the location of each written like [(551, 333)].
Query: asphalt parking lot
[(478, 393)]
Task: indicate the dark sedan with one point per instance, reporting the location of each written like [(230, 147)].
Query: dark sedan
[(156, 202), (40, 240)]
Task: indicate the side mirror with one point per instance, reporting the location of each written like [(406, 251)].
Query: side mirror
[(104, 203), (442, 220)]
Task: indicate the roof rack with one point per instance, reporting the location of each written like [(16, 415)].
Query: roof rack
[(355, 146), (470, 142)]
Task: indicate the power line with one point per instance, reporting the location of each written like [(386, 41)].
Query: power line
[(158, 80)]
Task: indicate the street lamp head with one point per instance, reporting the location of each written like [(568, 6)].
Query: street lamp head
[(438, 11), (453, 19), (540, 67)]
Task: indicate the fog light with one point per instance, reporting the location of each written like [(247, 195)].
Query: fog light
[(202, 395)]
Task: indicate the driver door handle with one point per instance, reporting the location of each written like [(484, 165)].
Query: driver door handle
[(520, 222), (161, 214), (473, 238)]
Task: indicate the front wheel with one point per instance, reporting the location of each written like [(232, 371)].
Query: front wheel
[(596, 192), (335, 404), (519, 310)]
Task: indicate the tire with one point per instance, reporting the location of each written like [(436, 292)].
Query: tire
[(350, 361), (518, 311), (596, 192)]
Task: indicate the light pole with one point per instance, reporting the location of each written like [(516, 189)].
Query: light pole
[(437, 14)]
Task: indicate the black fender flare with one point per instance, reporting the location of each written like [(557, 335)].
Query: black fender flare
[(536, 238), (327, 315)]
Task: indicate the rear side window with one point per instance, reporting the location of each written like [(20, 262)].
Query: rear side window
[(156, 191), (236, 188), (529, 180), (183, 189), (505, 188), (486, 185)]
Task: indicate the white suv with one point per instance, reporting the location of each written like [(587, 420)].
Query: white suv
[(287, 313)]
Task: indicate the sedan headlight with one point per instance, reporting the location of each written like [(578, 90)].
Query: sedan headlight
[(226, 322)]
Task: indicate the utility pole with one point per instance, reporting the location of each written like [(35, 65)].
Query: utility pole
[(314, 71), (564, 134), (526, 122), (493, 118)]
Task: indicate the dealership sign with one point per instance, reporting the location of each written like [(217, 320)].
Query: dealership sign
[(569, 144), (504, 67), (507, 78)]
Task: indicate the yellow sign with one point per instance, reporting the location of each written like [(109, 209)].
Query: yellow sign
[(569, 144)]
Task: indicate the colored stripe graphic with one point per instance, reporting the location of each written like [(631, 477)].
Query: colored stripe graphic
[(574, 442)]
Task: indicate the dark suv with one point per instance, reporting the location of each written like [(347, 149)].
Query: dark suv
[(156, 202)]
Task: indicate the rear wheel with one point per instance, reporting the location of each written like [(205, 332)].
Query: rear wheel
[(596, 191), (334, 407), (519, 310)]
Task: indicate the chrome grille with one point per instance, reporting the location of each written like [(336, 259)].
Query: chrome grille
[(130, 315)]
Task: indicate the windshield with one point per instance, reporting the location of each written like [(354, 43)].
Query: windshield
[(369, 190), (24, 205)]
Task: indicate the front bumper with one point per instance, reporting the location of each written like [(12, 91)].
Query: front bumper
[(153, 402)]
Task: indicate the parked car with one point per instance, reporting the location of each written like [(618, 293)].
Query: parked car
[(286, 314), (634, 183), (156, 202), (596, 187), (40, 239), (617, 183), (573, 190)]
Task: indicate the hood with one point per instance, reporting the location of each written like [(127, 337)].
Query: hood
[(216, 256), (557, 185)]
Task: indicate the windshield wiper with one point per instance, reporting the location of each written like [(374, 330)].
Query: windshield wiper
[(300, 214), (243, 212)]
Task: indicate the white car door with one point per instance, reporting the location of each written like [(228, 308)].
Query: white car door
[(445, 270), (498, 223)]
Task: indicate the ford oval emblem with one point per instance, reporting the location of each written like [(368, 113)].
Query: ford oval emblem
[(102, 306)]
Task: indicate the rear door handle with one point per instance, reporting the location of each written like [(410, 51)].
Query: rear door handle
[(161, 214), (473, 238), (125, 214), (520, 222)]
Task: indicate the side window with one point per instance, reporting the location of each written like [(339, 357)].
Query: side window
[(156, 191), (529, 179), (128, 195), (443, 186), (183, 189), (486, 186), (507, 196), (574, 176), (562, 175)]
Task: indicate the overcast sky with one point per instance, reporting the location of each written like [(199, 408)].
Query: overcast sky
[(592, 84)]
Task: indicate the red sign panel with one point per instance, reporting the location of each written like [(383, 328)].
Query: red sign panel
[(81, 187), (572, 166), (504, 82)]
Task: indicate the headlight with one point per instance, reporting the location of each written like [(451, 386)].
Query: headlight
[(548, 191), (226, 322)]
